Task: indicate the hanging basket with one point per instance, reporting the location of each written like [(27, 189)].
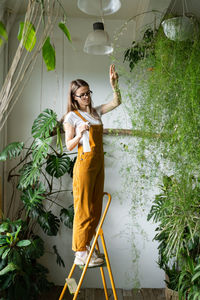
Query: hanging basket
[(179, 28)]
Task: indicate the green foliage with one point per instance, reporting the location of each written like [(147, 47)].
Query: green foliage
[(32, 199), (21, 277), (49, 223), (65, 30), (48, 53), (67, 216), (30, 174), (27, 35), (189, 281), (141, 50), (162, 99), (11, 151), (58, 165), (44, 124), (40, 150), (175, 209), (3, 32)]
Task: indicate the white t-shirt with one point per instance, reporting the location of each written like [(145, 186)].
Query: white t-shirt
[(73, 119)]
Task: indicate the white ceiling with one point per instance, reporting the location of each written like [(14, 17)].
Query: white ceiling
[(129, 8)]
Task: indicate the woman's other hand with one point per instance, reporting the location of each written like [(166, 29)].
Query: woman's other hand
[(82, 128), (113, 77)]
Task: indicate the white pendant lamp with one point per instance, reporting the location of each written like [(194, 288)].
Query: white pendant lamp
[(99, 7), (98, 41)]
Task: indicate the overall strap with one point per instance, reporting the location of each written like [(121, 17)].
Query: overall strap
[(80, 116)]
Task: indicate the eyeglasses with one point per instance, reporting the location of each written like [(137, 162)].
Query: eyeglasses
[(88, 93)]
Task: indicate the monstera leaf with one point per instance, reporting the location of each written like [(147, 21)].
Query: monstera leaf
[(32, 199), (29, 175), (28, 35), (11, 151), (40, 150), (67, 216), (35, 249), (49, 223), (58, 165), (44, 124)]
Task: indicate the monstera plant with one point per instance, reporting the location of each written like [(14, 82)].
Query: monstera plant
[(34, 176)]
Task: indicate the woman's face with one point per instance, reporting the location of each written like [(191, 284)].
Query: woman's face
[(82, 96)]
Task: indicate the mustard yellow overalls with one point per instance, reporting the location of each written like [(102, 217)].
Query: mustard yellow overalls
[(88, 184)]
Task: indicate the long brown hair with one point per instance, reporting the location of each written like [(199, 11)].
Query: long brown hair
[(74, 86), (73, 104)]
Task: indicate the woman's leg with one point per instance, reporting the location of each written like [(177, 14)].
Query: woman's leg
[(83, 188)]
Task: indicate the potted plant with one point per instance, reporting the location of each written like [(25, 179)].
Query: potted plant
[(34, 177), (177, 213)]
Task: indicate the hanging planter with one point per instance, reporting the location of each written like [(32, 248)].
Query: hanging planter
[(179, 28)]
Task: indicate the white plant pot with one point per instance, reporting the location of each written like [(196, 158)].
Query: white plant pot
[(179, 28)]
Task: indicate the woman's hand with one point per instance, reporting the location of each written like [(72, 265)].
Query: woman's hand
[(113, 77), (82, 128)]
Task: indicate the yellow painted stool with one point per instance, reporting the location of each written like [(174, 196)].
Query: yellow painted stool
[(95, 243)]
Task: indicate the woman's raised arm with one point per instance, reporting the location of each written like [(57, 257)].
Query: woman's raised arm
[(117, 95)]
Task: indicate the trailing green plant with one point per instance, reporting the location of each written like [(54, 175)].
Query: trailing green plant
[(161, 97), (164, 99), (142, 49), (35, 176)]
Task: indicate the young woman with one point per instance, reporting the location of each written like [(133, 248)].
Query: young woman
[(83, 127)]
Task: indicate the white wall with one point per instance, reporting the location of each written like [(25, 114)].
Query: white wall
[(49, 89)]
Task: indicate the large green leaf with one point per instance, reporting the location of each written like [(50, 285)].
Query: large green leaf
[(49, 223), (4, 227), (10, 267), (49, 56), (28, 35), (23, 243), (67, 216), (44, 124), (40, 150), (58, 165), (65, 30), (32, 199), (35, 249), (29, 175), (11, 151), (6, 252), (3, 31)]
